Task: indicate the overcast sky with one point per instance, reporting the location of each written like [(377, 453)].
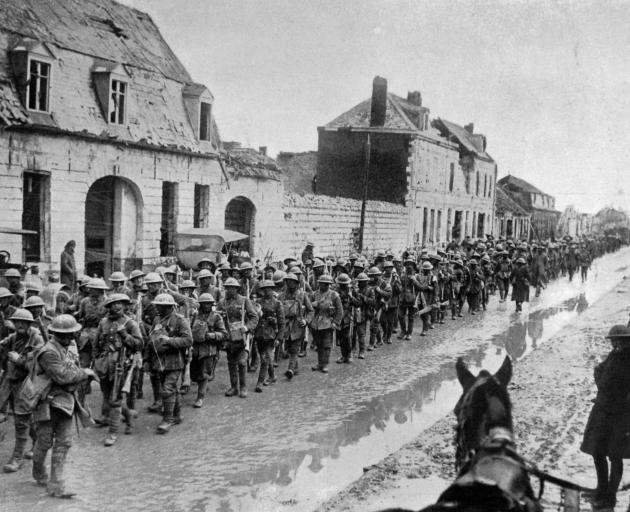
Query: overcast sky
[(546, 82)]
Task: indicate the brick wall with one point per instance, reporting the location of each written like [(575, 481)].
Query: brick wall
[(330, 222)]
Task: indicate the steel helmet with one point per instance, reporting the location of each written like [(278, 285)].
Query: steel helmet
[(13, 272), (341, 262), (473, 262), (374, 271), (485, 257), (267, 283), (206, 297), (164, 299), (343, 279), (380, 254), (410, 261), (116, 297), (117, 276), (205, 260), (225, 266), (33, 302), (64, 324), (135, 274), (359, 264), (520, 260), (427, 265), (170, 270), (619, 332), (278, 276), (83, 281), (231, 282), (246, 265), (296, 270), (22, 315), (292, 277), (317, 263), (325, 278), (289, 262), (204, 273), (96, 283), (353, 257), (388, 264), (363, 277), (152, 278), (187, 283), (32, 286)]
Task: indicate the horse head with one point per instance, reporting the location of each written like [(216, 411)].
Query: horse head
[(483, 408)]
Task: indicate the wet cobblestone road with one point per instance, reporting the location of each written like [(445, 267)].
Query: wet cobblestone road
[(299, 442)]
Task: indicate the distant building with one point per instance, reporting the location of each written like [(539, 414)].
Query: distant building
[(611, 221), (440, 171), (511, 220), (573, 223), (106, 139), (541, 206)]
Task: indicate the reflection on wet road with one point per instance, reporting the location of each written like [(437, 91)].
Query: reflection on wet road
[(301, 441)]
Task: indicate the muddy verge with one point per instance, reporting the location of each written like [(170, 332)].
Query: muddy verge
[(551, 391)]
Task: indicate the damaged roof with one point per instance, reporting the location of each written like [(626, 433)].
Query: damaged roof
[(101, 28), (504, 204), (247, 162), (523, 185), (462, 135)]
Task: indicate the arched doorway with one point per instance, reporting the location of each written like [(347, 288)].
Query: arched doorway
[(113, 226), (240, 214)]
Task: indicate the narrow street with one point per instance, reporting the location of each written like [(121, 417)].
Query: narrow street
[(308, 438)]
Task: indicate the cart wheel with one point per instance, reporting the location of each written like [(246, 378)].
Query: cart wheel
[(5, 257)]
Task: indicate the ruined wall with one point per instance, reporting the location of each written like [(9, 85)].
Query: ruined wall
[(332, 224), (298, 171), (341, 160)]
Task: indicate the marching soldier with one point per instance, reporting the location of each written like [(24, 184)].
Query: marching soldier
[(54, 412), (41, 320), (348, 303), (240, 320), (169, 339), (380, 294), (19, 350), (520, 283), (268, 331), (426, 284), (205, 278), (503, 272), (117, 279), (209, 334), (389, 315), (410, 287), (117, 339), (15, 286), (298, 314), (363, 296), (327, 318)]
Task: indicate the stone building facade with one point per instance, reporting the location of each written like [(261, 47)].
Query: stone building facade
[(106, 139), (541, 206), (574, 223), (439, 171), (511, 220)]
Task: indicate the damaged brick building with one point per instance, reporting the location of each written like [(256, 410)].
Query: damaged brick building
[(438, 172), (106, 139)]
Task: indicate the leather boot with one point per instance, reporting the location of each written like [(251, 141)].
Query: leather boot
[(13, 465), (200, 394), (242, 378), (55, 486), (233, 371), (39, 466), (167, 418), (157, 398)]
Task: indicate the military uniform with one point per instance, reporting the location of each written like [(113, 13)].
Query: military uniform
[(13, 377), (54, 412), (236, 312), (327, 317), (117, 340), (268, 330), (390, 308), (380, 293), (344, 336), (409, 288), (297, 309), (364, 299), (209, 334), (169, 339)]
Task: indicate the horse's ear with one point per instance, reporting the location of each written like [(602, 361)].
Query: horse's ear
[(504, 374), (466, 379)]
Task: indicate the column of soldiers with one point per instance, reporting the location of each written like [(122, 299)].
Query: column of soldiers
[(171, 331)]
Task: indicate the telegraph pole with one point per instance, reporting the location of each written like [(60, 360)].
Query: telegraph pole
[(366, 169)]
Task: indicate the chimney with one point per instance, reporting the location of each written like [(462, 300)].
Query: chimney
[(470, 128), (262, 150), (415, 98), (379, 101)]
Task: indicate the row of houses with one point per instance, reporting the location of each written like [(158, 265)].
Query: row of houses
[(106, 139)]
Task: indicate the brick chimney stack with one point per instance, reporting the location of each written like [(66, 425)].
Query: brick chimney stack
[(379, 101), (470, 128), (262, 150), (415, 98)]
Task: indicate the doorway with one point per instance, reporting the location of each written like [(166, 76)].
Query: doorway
[(113, 227), (240, 214)]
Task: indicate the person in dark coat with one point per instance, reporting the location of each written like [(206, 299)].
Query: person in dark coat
[(68, 270), (607, 433), (520, 283)]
